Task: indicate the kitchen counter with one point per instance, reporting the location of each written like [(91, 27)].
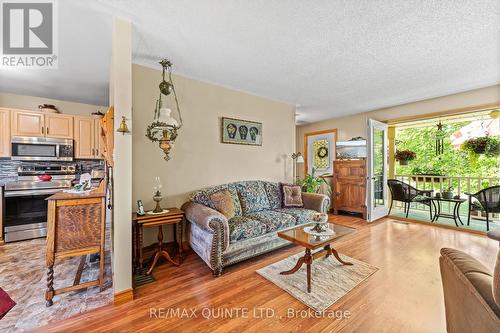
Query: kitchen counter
[(96, 193)]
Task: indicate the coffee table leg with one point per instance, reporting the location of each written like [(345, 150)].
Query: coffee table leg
[(336, 255), (295, 268), (308, 261)]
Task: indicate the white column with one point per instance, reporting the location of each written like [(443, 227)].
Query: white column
[(121, 99)]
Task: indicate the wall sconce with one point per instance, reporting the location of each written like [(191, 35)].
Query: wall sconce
[(297, 158), (164, 127), (123, 126)]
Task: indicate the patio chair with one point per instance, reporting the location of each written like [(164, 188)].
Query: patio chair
[(400, 191), (488, 202)]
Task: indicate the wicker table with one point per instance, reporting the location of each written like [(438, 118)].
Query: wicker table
[(437, 203)]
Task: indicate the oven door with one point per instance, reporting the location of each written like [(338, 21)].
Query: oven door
[(25, 215), (27, 151)]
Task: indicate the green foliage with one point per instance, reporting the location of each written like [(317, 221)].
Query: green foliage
[(312, 184), (453, 162), (488, 145)]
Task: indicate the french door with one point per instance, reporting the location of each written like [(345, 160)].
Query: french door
[(376, 170)]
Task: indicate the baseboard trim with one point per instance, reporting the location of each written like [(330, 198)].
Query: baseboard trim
[(476, 232), (123, 296)]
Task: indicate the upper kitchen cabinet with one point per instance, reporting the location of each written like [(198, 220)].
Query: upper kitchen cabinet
[(59, 126), (4, 133), (27, 123), (84, 137), (87, 143)]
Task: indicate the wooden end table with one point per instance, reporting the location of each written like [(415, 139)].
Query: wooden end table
[(310, 242), (174, 216)]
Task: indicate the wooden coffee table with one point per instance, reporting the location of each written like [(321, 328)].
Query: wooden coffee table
[(298, 236)]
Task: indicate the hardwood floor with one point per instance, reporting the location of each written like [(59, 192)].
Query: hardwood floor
[(405, 295)]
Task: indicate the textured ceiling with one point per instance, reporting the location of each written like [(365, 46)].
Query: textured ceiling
[(84, 60), (329, 57)]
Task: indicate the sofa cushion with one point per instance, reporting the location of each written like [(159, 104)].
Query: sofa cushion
[(203, 196), (273, 220), (253, 197), (273, 195), (224, 203), (241, 227), (301, 215), (291, 196)]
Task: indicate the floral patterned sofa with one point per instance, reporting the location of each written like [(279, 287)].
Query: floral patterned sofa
[(221, 242)]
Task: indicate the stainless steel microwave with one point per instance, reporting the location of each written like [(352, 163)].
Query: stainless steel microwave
[(41, 149)]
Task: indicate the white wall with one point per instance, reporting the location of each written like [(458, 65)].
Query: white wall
[(199, 159)]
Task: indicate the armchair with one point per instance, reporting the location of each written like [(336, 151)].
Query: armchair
[(406, 193), (489, 200), (471, 292)]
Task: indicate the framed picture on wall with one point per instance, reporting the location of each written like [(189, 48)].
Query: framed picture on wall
[(242, 132), (319, 151)]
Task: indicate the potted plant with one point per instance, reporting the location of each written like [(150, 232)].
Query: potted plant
[(312, 184), (428, 173), (487, 145), (447, 193), (403, 156)]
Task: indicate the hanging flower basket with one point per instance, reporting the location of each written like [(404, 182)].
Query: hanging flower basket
[(403, 156), (487, 145)]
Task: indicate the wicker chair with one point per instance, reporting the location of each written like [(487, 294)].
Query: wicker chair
[(489, 200), (400, 191)]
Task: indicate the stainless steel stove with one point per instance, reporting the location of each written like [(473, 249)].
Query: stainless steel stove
[(25, 205)]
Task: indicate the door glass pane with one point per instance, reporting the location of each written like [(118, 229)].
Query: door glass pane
[(378, 167)]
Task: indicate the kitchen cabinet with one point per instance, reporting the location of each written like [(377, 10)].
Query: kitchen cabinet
[(349, 183), (39, 124), (87, 143), (59, 126), (27, 123), (4, 132)]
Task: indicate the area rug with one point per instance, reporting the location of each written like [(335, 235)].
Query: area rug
[(330, 279)]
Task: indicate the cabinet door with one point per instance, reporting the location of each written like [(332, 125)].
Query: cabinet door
[(84, 137), (4, 133), (26, 123), (59, 126), (97, 140)]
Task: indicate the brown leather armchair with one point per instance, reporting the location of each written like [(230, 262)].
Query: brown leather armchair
[(471, 292)]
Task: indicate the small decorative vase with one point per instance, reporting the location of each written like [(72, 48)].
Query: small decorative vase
[(157, 198), (320, 220)]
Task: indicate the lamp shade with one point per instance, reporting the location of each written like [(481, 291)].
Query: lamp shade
[(166, 118), (300, 159)]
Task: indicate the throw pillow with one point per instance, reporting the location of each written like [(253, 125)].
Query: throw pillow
[(291, 196), (224, 203)]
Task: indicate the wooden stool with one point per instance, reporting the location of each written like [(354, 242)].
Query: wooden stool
[(75, 227)]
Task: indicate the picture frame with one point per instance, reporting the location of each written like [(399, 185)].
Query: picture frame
[(242, 132), (319, 151)]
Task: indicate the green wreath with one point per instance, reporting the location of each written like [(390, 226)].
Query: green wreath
[(322, 152)]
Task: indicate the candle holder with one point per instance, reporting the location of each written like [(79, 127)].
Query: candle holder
[(157, 198)]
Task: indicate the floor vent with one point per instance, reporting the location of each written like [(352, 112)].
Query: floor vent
[(141, 279)]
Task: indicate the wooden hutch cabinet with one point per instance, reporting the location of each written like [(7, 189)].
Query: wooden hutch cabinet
[(349, 186)]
